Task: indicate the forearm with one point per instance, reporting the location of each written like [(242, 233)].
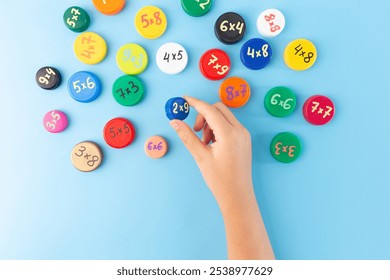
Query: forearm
[(246, 235)]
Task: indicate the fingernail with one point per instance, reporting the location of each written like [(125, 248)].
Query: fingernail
[(175, 125)]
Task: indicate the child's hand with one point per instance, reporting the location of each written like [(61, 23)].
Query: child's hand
[(226, 164)]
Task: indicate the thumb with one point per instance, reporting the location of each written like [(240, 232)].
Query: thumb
[(193, 144)]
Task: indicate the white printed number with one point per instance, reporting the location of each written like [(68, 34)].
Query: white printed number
[(75, 13), (87, 85), (258, 53), (203, 5), (239, 26), (320, 110), (221, 69), (180, 108), (275, 100)]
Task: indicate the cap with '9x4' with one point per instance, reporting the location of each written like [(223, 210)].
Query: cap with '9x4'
[(48, 78)]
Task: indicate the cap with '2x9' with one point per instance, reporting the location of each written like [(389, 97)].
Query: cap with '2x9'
[(177, 108)]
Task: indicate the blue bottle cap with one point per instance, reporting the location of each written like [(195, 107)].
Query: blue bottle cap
[(177, 108), (256, 54), (84, 86)]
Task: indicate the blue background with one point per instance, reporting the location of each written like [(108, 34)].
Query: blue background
[(333, 203)]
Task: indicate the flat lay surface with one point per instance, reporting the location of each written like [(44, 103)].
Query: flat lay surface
[(330, 201)]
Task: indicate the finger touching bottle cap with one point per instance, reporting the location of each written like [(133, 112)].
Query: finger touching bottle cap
[(177, 108)]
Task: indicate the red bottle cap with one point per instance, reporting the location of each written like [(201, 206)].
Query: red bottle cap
[(119, 133), (318, 110)]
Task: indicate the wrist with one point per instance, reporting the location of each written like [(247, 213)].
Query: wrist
[(236, 203)]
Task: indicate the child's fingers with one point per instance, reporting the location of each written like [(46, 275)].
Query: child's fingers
[(199, 123), (229, 116), (207, 134), (212, 116), (197, 149)]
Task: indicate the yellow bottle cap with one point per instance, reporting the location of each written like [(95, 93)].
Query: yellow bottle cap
[(90, 48), (132, 59), (151, 22), (300, 54)]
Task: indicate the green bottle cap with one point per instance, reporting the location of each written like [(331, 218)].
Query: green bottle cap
[(128, 90), (286, 147), (76, 19), (196, 8), (280, 102)]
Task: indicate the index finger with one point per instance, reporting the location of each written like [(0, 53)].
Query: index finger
[(213, 117)]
